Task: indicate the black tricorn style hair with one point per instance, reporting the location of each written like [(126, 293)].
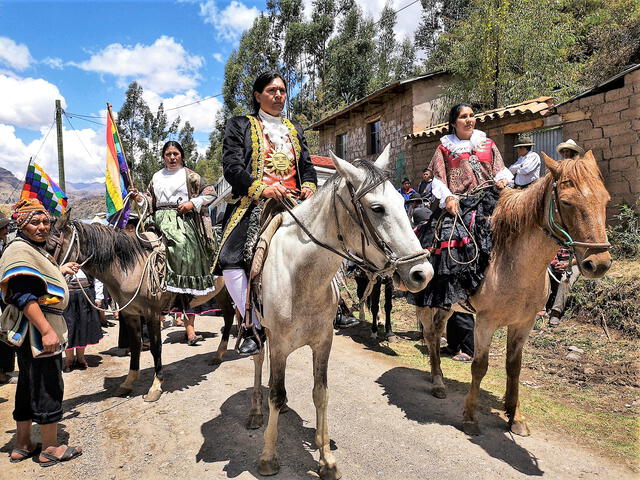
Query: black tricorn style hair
[(173, 143), (454, 113)]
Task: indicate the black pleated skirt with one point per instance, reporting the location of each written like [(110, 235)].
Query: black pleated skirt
[(82, 320)]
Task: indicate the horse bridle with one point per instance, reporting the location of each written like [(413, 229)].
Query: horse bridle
[(368, 234), (557, 230), (58, 240)]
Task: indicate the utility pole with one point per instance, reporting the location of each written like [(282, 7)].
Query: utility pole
[(60, 149)]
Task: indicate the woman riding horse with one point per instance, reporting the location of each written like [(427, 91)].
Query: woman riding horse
[(264, 155), (468, 172), (179, 198)]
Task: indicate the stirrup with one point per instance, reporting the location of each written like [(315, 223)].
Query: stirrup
[(241, 335)]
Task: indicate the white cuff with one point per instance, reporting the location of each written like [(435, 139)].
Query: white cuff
[(441, 191), (504, 174)]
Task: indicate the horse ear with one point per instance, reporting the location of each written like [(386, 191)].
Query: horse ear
[(551, 164), (345, 169), (64, 219), (589, 157), (383, 160)]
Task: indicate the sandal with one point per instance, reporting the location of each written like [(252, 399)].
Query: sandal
[(69, 453), (194, 341), (462, 357), (25, 453), (81, 365), (67, 368)]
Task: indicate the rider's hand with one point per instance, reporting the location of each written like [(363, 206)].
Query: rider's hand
[(50, 341), (451, 205), (501, 184), (185, 207), (136, 194), (70, 268), (277, 190), (306, 193)]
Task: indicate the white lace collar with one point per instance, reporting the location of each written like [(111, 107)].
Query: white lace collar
[(456, 146), (275, 129)]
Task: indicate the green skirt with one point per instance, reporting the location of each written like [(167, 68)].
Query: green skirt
[(188, 256)]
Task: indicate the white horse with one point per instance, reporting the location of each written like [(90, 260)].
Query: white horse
[(358, 210)]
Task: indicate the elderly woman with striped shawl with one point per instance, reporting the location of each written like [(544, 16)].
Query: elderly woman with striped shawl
[(35, 291)]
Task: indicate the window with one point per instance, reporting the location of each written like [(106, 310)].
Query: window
[(341, 145), (373, 143)]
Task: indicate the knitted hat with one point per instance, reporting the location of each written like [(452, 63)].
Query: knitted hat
[(25, 209)]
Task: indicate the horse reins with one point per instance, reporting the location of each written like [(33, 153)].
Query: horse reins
[(557, 231)]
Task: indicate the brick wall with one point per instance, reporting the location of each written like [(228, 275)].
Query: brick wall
[(611, 128)]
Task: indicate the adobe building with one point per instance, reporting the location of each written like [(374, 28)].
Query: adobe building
[(362, 129)]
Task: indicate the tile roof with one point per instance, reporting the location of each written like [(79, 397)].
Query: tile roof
[(320, 161), (541, 105)]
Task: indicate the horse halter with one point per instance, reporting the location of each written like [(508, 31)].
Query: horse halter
[(558, 231)]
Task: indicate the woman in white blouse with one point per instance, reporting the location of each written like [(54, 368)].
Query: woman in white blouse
[(179, 199)]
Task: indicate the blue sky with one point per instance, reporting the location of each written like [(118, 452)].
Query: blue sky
[(87, 52)]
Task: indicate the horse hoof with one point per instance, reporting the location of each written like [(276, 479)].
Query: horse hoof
[(471, 428), (215, 361), (439, 392), (520, 428), (393, 338), (124, 392), (254, 421), (268, 467), (329, 473), (152, 396)]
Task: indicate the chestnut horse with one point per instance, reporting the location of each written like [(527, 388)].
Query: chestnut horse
[(567, 207)]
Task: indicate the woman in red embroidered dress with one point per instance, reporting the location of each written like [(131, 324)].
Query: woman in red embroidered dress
[(468, 173)]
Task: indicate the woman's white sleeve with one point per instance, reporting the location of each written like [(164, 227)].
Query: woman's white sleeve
[(504, 174), (198, 202), (441, 191)]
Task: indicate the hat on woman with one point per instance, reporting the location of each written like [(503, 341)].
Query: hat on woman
[(524, 142), (25, 209), (414, 197), (570, 145), (4, 222)]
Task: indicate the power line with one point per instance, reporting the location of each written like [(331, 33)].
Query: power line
[(80, 139), (193, 103), (81, 115), (71, 115)]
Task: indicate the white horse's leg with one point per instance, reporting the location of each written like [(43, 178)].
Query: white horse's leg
[(268, 463), (516, 338), (327, 469), (256, 418), (482, 342)]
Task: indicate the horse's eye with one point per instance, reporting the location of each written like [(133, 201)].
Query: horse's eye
[(377, 208), (565, 203)]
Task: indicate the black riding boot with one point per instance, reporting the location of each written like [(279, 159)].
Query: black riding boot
[(250, 344)]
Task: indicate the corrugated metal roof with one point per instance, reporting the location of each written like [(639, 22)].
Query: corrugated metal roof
[(371, 96), (540, 105)]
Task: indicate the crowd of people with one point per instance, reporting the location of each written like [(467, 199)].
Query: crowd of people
[(265, 157)]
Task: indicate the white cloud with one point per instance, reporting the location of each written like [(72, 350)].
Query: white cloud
[(230, 21), (14, 55), (201, 116), (27, 102), (53, 62), (218, 57), (164, 66), (81, 165)]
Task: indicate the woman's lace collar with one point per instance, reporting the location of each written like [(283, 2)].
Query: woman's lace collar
[(275, 129), (456, 146)]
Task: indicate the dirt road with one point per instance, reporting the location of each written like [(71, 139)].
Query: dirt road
[(383, 423)]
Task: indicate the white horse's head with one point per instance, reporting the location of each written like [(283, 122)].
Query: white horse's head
[(386, 231)]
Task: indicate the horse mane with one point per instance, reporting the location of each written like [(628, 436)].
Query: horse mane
[(374, 175), (108, 245), (520, 210)]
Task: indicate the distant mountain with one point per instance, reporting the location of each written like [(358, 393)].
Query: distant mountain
[(85, 198)]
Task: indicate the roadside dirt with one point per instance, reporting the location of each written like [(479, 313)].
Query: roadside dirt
[(384, 424)]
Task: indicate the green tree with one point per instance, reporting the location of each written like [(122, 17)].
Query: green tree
[(405, 62), (506, 52), (189, 145), (438, 16), (134, 125), (161, 130), (210, 165), (385, 49)]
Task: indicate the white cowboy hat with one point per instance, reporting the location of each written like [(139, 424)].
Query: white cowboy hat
[(571, 145), (524, 142)]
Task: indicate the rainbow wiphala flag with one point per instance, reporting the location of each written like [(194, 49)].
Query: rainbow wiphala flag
[(39, 185), (117, 176)]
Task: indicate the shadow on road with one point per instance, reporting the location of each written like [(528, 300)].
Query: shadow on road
[(410, 390), (361, 334), (227, 440), (179, 375)]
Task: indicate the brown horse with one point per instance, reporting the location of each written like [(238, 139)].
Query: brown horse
[(527, 227), (119, 261)]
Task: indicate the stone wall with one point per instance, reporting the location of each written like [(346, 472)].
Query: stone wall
[(610, 126), (400, 112)]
